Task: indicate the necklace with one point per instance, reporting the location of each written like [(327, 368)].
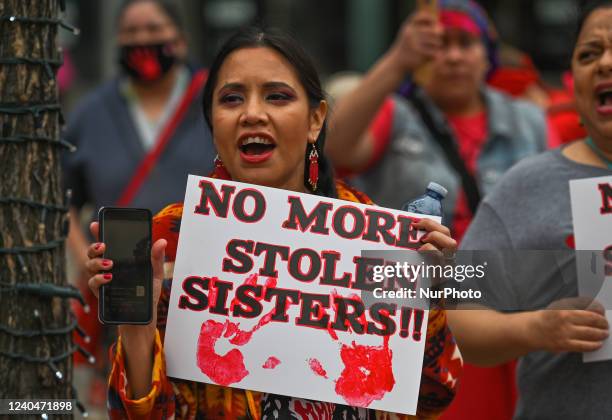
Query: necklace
[(589, 141)]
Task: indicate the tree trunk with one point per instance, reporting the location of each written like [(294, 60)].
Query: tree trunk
[(30, 170)]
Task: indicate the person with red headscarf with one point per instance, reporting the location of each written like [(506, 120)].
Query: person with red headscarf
[(449, 127)]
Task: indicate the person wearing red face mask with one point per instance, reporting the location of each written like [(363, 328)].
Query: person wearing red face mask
[(142, 129)]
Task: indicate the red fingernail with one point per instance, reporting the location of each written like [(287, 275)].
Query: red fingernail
[(107, 276), (106, 263), (97, 247)]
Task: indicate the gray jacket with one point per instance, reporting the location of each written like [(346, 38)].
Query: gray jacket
[(109, 151)]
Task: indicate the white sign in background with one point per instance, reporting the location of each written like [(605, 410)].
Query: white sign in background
[(592, 232), (281, 358)]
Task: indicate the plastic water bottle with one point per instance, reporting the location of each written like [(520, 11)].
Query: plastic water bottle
[(429, 203)]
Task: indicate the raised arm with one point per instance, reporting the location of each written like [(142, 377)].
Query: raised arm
[(349, 145), (138, 385), (137, 341)]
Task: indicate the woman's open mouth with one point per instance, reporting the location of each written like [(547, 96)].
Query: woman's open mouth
[(604, 99), (256, 149)]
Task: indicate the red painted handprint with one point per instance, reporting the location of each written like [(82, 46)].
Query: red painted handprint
[(367, 373), (368, 370), (228, 368), (222, 369), (145, 62)]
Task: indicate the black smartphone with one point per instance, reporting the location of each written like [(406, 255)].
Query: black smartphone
[(128, 298)]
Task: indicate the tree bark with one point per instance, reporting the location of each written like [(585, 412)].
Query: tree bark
[(30, 170)]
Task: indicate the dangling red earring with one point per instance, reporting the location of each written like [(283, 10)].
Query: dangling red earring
[(220, 171), (313, 169)]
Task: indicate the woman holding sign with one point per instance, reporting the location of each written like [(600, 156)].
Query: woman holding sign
[(266, 110), (531, 210)]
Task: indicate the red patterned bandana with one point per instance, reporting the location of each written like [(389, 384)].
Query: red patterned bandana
[(453, 19)]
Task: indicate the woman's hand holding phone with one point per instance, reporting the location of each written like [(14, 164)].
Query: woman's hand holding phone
[(137, 340)]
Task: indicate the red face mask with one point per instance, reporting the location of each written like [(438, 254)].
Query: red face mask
[(146, 63)]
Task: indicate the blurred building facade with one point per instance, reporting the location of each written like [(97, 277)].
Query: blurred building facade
[(339, 34)]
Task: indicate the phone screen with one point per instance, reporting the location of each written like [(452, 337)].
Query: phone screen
[(127, 236)]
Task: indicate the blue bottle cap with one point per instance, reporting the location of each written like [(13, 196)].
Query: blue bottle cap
[(437, 188)]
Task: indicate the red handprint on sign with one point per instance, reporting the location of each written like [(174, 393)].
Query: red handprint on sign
[(228, 368)]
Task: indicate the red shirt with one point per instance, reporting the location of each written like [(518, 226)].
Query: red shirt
[(471, 134)]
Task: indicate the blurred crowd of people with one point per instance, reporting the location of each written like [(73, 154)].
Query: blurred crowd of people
[(447, 102)]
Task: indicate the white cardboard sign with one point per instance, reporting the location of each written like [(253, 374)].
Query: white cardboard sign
[(592, 217), (265, 296)]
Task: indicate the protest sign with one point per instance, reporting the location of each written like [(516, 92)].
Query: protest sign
[(266, 296), (592, 218)]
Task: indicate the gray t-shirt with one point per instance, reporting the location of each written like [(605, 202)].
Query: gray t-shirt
[(530, 210)]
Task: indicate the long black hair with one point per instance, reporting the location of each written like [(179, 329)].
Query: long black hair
[(285, 45), (585, 8)]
